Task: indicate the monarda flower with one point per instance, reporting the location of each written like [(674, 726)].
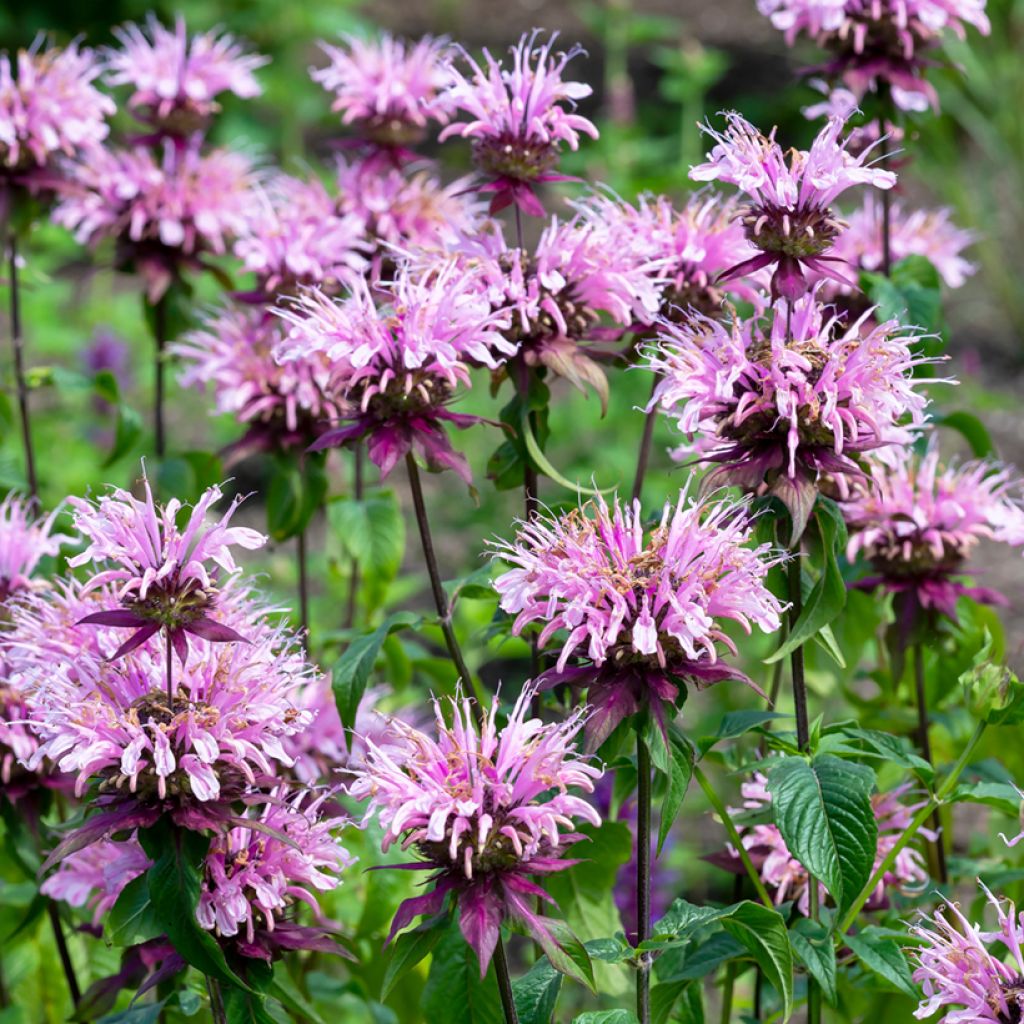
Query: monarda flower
[(639, 611), (387, 90), (788, 215), (282, 405), (166, 576), (164, 212), (24, 541), (397, 367), (970, 975), (175, 78), (787, 878), (918, 523), (256, 873), (295, 237), (484, 810), (781, 406), (49, 108), (878, 45), (518, 119)]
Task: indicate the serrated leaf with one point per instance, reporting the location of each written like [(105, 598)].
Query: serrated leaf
[(884, 957), (132, 918), (678, 780), (762, 932), (243, 1006), (1000, 795), (372, 531), (409, 949), (812, 943), (455, 993), (823, 810), (606, 1017), (736, 723), (536, 993)]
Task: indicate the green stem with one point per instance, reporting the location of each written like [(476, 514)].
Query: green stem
[(925, 746), (734, 836), (300, 554), (911, 830), (508, 1003), (160, 368), (728, 986), (643, 877)]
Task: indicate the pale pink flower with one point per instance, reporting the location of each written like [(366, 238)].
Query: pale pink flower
[(519, 118), (24, 541), (641, 609), (484, 809), (175, 78), (788, 213)]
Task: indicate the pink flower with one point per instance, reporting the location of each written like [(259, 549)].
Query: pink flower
[(166, 576), (49, 108), (963, 970), (283, 404), (386, 90), (24, 541), (295, 236), (484, 809), (918, 523), (163, 212), (787, 877), (788, 215), (878, 43), (255, 875), (518, 119), (398, 366), (96, 875), (928, 233), (176, 78), (643, 610), (781, 405)]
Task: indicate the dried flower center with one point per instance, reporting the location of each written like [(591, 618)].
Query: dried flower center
[(408, 394), (800, 233), (510, 156)]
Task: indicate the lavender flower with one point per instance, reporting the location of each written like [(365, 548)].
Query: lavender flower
[(961, 972), (387, 90), (788, 215), (642, 612), (166, 576), (24, 541), (49, 108), (918, 523), (779, 407), (175, 78), (484, 809), (397, 367), (517, 118)]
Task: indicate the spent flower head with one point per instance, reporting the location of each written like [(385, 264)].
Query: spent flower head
[(518, 118), (788, 212), (484, 808), (642, 610)]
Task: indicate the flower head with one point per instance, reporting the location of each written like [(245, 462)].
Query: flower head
[(918, 523), (49, 107), (782, 405), (643, 610), (386, 90), (24, 541), (296, 237), (397, 366), (518, 119), (963, 971), (175, 78), (163, 212), (166, 576), (782, 873), (788, 214), (484, 809)]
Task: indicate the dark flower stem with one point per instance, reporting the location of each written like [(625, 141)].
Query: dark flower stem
[(169, 669), (18, 347), (885, 154), (508, 1003), (300, 553), (437, 589), (644, 455), (216, 1001), (925, 746), (643, 877), (160, 338), (353, 579), (63, 952)]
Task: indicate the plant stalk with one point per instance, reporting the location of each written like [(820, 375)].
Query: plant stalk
[(508, 1003), (644, 455), (18, 348), (353, 580), (216, 1001), (925, 746), (64, 953), (643, 877), (159, 368), (300, 552), (169, 669)]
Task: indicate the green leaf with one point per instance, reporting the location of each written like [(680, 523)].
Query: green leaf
[(295, 492), (606, 1017), (148, 1013), (827, 596), (127, 432), (884, 957), (286, 992), (682, 919), (736, 723), (352, 670), (568, 955), (762, 932), (679, 774), (132, 919), (243, 1006), (455, 993), (174, 883), (536, 993), (812, 943), (371, 531), (972, 430), (823, 810), (409, 949), (1000, 795)]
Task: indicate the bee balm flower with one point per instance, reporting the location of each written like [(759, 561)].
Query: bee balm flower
[(641, 611), (484, 809)]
